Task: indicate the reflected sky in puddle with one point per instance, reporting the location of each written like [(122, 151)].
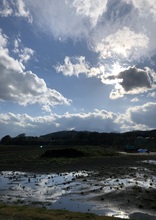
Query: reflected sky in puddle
[(142, 216), (150, 161), (40, 188), (70, 191)]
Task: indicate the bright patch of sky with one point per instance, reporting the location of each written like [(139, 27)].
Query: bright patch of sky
[(83, 65)]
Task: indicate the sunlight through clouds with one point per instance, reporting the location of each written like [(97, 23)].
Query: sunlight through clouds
[(124, 43), (131, 81), (59, 57)]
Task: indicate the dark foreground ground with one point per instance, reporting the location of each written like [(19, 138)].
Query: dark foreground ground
[(106, 162), (29, 213), (29, 158)]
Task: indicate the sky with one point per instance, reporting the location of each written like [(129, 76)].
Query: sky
[(77, 65)]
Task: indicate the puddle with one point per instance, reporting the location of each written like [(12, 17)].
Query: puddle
[(37, 188), (142, 216), (71, 191), (150, 161)]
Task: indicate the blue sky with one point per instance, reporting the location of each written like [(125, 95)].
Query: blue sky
[(72, 64)]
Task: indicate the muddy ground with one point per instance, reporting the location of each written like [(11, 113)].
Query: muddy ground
[(111, 165)]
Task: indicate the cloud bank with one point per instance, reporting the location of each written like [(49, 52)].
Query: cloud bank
[(111, 28), (143, 116), (138, 118)]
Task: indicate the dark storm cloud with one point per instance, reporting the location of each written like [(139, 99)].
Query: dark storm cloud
[(134, 78), (131, 81)]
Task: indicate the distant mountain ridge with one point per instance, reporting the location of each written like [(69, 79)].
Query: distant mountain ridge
[(140, 139), (74, 132), (63, 133)]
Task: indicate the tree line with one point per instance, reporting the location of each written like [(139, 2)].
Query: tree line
[(116, 140)]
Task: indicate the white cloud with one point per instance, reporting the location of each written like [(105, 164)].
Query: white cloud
[(5, 10), (98, 120), (69, 69), (135, 100), (78, 65), (124, 42), (123, 34), (46, 108), (136, 118), (58, 18), (90, 8), (15, 8), (112, 29), (152, 94), (143, 115), (24, 53), (3, 40), (145, 8), (24, 87), (17, 45), (21, 11)]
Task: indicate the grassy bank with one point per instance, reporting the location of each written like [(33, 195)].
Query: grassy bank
[(28, 158), (8, 212)]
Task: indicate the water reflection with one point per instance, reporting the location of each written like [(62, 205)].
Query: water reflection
[(150, 161), (142, 216), (39, 188), (72, 191)]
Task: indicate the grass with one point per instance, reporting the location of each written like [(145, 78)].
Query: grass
[(8, 212), (30, 156), (97, 151)]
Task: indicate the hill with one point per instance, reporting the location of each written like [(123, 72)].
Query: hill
[(64, 138)]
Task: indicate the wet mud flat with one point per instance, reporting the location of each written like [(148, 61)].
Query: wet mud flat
[(130, 193), (133, 193), (114, 185)]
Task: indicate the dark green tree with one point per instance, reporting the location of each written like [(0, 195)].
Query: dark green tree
[(6, 139)]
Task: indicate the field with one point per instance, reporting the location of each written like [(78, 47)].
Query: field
[(105, 163), (28, 158)]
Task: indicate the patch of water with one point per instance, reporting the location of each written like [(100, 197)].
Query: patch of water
[(72, 191), (150, 161), (41, 188), (141, 180), (75, 204), (142, 216)]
